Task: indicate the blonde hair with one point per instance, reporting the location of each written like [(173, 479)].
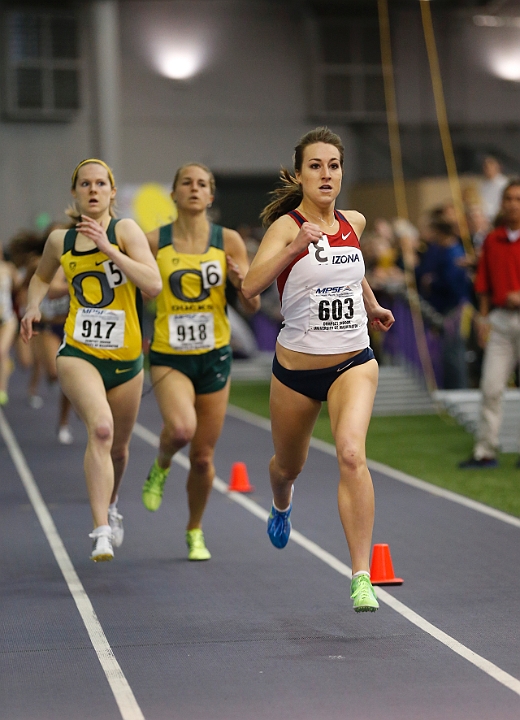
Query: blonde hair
[(72, 210), (94, 161), (289, 194), (206, 169)]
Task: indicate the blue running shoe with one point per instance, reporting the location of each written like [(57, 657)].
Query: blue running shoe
[(279, 526)]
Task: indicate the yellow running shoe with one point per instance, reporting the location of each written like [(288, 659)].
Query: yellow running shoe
[(197, 549), (154, 487)]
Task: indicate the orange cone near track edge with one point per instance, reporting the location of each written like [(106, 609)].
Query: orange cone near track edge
[(239, 480), (382, 569)]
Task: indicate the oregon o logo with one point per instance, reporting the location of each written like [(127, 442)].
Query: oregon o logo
[(107, 293), (175, 281)]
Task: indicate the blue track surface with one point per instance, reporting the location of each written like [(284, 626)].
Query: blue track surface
[(256, 632)]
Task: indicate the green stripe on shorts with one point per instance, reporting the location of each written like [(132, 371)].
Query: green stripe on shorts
[(113, 372)]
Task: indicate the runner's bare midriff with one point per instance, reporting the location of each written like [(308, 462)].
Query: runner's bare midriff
[(293, 360)]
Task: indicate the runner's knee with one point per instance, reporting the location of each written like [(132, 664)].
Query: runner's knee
[(179, 435), (287, 472), (201, 462), (119, 453), (351, 458), (103, 431)]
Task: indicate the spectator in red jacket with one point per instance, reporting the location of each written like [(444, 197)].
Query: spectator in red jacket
[(497, 285)]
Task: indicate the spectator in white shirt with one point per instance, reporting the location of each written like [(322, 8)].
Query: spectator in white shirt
[(492, 187)]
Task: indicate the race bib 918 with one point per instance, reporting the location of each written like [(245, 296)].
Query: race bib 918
[(191, 331)]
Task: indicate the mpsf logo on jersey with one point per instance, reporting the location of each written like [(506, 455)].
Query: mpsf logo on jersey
[(335, 290)]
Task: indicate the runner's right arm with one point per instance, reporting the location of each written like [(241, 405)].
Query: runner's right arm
[(40, 282)]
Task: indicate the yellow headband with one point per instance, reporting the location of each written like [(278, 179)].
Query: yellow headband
[(97, 162)]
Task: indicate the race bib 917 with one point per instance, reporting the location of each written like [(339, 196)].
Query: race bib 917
[(101, 329)]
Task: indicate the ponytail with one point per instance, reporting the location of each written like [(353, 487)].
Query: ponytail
[(287, 197)]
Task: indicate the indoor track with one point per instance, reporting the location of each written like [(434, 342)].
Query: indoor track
[(255, 632)]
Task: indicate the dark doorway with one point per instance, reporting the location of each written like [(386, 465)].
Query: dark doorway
[(240, 199)]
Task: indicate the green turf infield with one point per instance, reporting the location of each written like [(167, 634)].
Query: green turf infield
[(428, 447)]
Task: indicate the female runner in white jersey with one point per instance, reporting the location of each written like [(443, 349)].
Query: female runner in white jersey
[(322, 352), (100, 360)]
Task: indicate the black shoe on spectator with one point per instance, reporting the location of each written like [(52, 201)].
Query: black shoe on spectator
[(473, 463)]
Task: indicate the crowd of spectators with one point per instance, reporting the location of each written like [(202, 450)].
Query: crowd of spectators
[(443, 272)]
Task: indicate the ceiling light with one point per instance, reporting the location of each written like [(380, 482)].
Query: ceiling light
[(178, 64), (507, 68)]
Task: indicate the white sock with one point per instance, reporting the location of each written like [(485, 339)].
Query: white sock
[(288, 506), (359, 573), (101, 530), (276, 508)]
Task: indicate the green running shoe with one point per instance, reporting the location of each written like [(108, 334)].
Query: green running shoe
[(154, 487), (197, 549), (363, 595)]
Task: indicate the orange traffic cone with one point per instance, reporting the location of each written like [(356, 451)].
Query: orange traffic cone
[(239, 480), (381, 569)]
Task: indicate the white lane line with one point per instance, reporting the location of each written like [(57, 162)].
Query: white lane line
[(123, 694), (480, 662), (325, 447)]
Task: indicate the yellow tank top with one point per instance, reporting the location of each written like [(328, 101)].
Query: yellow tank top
[(105, 312), (191, 314)]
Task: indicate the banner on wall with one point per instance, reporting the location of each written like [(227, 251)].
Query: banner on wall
[(149, 204)]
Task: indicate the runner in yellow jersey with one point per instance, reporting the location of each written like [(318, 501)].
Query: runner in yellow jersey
[(106, 263), (190, 354)]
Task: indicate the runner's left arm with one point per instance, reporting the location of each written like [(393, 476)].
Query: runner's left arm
[(132, 255), (237, 267), (379, 317)]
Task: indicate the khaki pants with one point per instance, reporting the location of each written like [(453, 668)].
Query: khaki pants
[(501, 356)]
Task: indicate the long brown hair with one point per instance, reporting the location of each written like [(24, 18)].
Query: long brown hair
[(288, 195)]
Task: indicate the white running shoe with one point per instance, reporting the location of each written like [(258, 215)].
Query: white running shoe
[(102, 545), (115, 520), (65, 436)]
